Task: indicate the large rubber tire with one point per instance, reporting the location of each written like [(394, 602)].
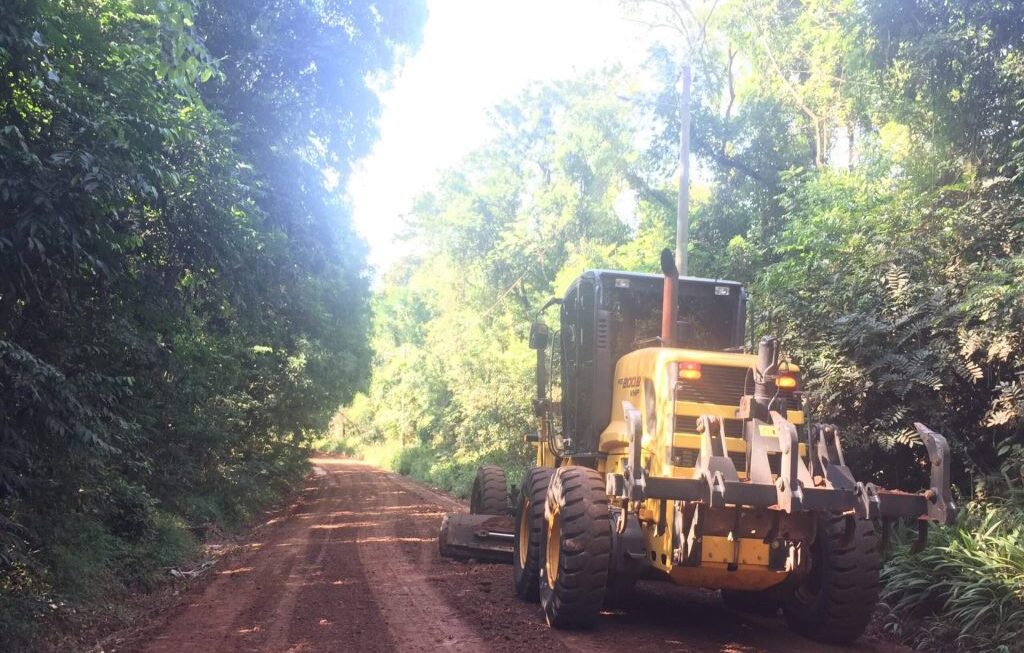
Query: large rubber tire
[(623, 570), (620, 591), (529, 532), (490, 492), (836, 600), (574, 560)]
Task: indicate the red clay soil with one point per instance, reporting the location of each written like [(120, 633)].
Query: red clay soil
[(355, 568)]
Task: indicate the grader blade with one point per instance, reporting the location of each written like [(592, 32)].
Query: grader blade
[(481, 537)]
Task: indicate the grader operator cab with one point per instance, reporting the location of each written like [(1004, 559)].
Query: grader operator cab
[(665, 451)]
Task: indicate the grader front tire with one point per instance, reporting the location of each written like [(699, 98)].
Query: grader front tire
[(577, 545), (529, 533), (490, 492), (836, 600)]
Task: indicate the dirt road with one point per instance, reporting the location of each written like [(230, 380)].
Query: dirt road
[(354, 567)]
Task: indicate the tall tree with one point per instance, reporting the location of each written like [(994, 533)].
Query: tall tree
[(182, 298)]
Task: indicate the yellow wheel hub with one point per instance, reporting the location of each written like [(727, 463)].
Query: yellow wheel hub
[(554, 547), (524, 535)]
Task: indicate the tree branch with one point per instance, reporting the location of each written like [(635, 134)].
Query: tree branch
[(652, 195), (721, 158), (816, 122)]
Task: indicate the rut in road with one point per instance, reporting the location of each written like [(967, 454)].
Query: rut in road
[(355, 568), (341, 573)]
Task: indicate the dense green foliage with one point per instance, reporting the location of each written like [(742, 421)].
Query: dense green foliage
[(453, 371), (965, 590), (859, 169), (182, 300)]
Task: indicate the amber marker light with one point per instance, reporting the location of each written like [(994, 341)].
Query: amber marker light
[(689, 371), (786, 382)]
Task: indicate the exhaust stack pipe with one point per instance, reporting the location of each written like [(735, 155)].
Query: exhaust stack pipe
[(670, 299), (764, 375)]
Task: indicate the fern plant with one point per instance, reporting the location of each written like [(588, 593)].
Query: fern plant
[(965, 592)]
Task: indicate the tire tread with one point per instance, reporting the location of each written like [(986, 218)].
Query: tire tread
[(534, 490), (849, 594), (579, 592), (490, 491)]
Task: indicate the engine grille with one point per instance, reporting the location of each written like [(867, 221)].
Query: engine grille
[(688, 424), (739, 460), (684, 456), (717, 385), (724, 386)]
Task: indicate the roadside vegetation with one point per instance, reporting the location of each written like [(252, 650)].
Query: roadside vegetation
[(183, 303), (182, 299), (859, 168)]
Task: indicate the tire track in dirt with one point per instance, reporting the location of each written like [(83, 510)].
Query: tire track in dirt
[(296, 590), (210, 621), (355, 568), (395, 557)]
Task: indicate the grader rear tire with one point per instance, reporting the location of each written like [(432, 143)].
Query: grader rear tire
[(490, 492), (577, 546), (529, 533), (836, 600)]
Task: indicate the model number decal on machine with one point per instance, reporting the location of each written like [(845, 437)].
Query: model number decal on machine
[(628, 382)]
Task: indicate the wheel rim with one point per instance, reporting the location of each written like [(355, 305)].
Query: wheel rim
[(554, 547), (524, 533)]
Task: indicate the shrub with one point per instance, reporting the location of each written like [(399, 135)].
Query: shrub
[(965, 591)]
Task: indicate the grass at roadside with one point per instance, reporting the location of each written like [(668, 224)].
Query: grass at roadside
[(88, 579), (452, 473), (965, 591)]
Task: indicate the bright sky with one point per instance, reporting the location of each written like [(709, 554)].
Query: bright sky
[(475, 53)]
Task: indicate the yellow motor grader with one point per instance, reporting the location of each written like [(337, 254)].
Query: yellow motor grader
[(664, 450)]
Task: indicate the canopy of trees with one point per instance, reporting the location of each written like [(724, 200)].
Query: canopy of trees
[(859, 168), (182, 299)]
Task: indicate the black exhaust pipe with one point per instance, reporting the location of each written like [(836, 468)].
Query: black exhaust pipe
[(765, 374)]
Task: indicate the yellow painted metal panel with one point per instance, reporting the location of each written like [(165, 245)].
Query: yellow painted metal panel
[(692, 441), (697, 409), (723, 550)]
